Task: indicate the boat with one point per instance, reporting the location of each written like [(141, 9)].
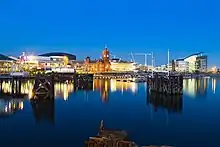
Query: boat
[(60, 70), (137, 79), (19, 74), (206, 77)]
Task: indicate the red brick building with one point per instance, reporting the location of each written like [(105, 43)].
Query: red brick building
[(101, 65)]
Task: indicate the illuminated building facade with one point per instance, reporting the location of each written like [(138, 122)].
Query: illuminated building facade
[(101, 65), (49, 60), (193, 63), (201, 63), (181, 66), (106, 64), (197, 62), (118, 65), (213, 69), (5, 64)]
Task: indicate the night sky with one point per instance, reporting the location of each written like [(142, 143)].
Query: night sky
[(83, 27)]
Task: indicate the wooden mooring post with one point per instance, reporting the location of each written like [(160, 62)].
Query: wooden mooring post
[(110, 138), (172, 84), (83, 81), (44, 84), (43, 87)]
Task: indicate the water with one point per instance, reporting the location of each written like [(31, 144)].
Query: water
[(190, 121)]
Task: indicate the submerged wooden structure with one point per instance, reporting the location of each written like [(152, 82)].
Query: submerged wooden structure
[(110, 138), (44, 84), (157, 146), (172, 84), (83, 81), (43, 87)]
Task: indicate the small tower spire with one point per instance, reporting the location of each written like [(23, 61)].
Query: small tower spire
[(106, 46)]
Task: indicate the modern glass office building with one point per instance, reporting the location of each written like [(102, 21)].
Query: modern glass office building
[(193, 63)]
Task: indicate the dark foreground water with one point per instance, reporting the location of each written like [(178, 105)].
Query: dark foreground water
[(190, 121)]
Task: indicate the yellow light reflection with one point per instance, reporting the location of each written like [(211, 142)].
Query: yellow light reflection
[(214, 85), (21, 105), (192, 87), (60, 89), (104, 86), (113, 85), (30, 94), (63, 90), (9, 105)]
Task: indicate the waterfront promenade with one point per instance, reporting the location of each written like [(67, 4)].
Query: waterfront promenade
[(114, 75)]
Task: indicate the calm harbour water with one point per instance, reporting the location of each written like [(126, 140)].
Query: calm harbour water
[(190, 121)]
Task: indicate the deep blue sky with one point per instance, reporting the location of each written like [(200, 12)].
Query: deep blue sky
[(83, 27)]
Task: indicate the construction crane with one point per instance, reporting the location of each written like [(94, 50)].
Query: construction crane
[(132, 57), (142, 54)]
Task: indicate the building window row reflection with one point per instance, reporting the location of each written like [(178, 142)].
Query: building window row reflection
[(191, 87)]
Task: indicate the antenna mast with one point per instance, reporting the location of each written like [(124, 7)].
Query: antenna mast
[(168, 65), (152, 64)]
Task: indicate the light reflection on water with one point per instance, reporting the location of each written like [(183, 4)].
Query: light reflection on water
[(62, 90), (129, 111), (191, 87), (213, 85), (8, 107)]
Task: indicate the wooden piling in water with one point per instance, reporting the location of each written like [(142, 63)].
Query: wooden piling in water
[(43, 87), (83, 81), (172, 85), (110, 138)]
